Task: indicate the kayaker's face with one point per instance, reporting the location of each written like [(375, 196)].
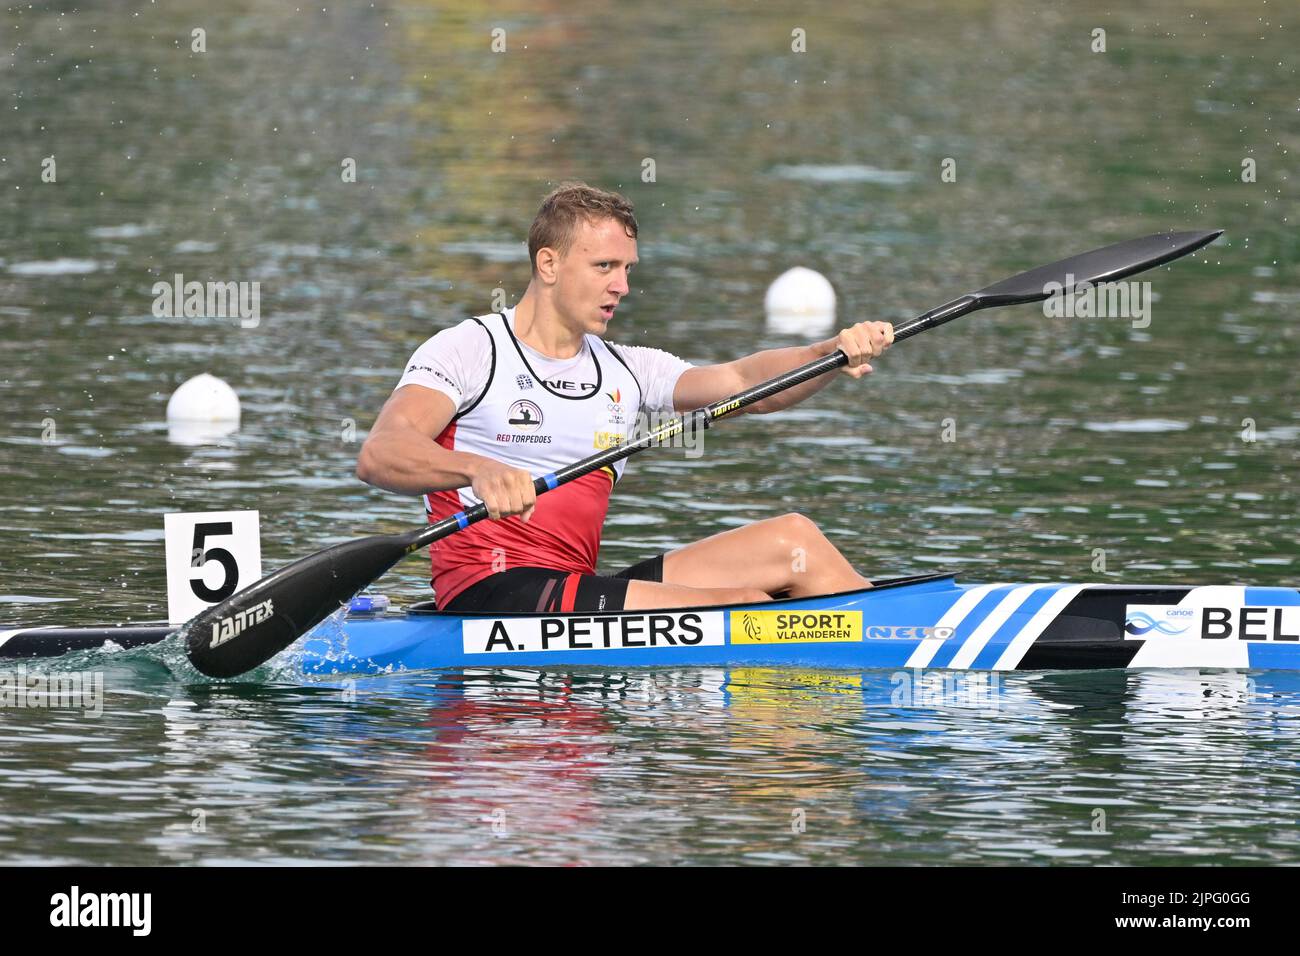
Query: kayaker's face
[(592, 277)]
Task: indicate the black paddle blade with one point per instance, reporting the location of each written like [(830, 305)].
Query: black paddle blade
[(252, 625), (1108, 264)]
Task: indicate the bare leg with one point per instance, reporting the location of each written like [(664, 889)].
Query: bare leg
[(652, 594), (785, 554)]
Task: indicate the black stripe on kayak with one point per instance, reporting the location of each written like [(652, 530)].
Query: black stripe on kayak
[(1089, 631), (430, 608)]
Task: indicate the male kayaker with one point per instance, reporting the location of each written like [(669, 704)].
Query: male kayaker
[(489, 403)]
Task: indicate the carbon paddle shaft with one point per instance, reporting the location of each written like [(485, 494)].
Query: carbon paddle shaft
[(253, 625)]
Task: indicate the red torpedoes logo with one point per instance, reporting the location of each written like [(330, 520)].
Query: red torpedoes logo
[(525, 415)]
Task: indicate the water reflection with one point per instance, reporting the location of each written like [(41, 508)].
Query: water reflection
[(661, 766)]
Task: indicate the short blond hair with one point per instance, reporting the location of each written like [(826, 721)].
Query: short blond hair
[(556, 224)]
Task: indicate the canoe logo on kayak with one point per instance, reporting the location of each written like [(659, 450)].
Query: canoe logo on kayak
[(1242, 623), (225, 628), (1140, 623), (592, 633), (796, 627)]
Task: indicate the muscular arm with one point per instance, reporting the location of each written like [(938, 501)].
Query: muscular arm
[(400, 453), (706, 384)]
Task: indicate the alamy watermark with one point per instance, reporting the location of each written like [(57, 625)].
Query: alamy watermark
[(671, 431), (1105, 300), (71, 690), (208, 300), (935, 689), (74, 909)]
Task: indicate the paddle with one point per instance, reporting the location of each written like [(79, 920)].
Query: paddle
[(254, 624)]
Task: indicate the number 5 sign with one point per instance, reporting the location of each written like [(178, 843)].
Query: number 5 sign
[(210, 556)]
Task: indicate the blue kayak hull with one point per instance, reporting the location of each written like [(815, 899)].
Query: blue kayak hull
[(929, 621), (925, 622)]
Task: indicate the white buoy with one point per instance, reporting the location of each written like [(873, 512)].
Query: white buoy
[(203, 409), (800, 302)]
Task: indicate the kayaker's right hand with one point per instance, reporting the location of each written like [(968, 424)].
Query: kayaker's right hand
[(505, 490)]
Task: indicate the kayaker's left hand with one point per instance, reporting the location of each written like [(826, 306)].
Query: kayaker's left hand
[(863, 342)]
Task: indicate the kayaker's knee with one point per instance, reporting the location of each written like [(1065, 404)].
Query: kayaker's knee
[(796, 529)]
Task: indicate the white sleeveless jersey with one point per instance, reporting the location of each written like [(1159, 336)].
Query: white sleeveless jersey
[(539, 426)]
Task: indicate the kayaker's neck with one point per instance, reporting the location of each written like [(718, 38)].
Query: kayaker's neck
[(542, 327)]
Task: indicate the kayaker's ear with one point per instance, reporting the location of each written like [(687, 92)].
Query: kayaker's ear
[(548, 264)]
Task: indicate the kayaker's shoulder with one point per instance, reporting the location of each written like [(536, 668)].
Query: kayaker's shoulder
[(468, 331), (467, 340), (642, 354), (656, 372), (457, 361)]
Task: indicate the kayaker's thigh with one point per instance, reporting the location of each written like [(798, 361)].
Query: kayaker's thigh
[(642, 595), (784, 554)]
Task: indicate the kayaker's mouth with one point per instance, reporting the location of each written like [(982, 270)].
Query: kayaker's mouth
[(607, 310)]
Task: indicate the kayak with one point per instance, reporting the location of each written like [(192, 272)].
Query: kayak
[(922, 621), (250, 626)]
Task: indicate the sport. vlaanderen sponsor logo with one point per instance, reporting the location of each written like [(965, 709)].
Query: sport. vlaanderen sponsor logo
[(796, 627)]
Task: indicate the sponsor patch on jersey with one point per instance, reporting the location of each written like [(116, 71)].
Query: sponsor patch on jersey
[(524, 415), (564, 385), (435, 373), (796, 627), (593, 633), (1153, 622), (604, 440), (507, 439), (615, 407)]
